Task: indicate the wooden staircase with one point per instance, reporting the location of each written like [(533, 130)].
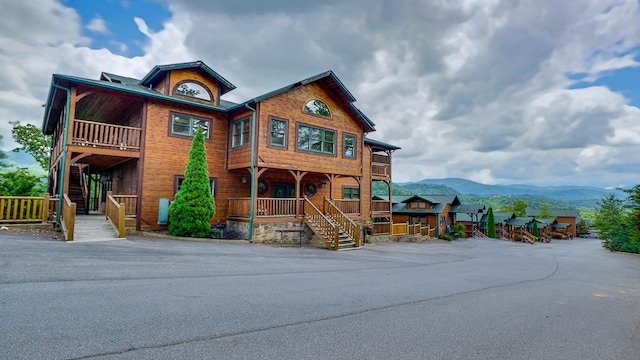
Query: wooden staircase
[(333, 227), (76, 189), (479, 234), (528, 237)]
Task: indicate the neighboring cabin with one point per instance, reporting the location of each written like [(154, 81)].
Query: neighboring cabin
[(427, 210), (272, 159)]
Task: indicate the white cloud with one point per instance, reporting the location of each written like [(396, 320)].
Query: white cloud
[(471, 89), (98, 25)]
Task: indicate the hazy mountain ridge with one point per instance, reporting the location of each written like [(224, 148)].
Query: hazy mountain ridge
[(571, 195)]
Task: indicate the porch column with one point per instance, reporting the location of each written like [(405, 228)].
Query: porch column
[(297, 175)]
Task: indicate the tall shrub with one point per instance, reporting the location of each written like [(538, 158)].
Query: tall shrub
[(191, 211), (491, 224), (534, 230)]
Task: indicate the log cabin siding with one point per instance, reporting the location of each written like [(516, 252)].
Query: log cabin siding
[(178, 76), (167, 156), (289, 106)]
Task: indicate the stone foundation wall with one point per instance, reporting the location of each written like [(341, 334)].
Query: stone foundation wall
[(266, 233), (372, 239)]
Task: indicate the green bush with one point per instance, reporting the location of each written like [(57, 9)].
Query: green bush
[(491, 224), (193, 207)]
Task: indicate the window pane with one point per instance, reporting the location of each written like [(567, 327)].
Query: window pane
[(193, 90), (317, 107), (181, 125), (278, 132), (303, 137)]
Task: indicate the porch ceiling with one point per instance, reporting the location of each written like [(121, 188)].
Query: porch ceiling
[(108, 108), (100, 162)]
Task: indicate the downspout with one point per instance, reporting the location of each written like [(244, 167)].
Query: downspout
[(63, 161), (363, 235), (253, 171)]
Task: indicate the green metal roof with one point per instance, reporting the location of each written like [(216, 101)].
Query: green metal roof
[(141, 88), (380, 144), (342, 93), (159, 70)]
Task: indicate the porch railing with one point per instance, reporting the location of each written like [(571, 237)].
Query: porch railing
[(68, 217), (91, 133), (381, 228), (115, 212), (348, 206), (24, 209), (265, 207), (380, 206), (381, 169), (380, 159), (347, 225), (130, 202), (399, 228)]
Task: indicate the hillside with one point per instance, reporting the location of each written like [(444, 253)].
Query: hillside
[(471, 191)]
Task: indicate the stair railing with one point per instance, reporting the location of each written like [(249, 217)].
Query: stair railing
[(68, 217), (115, 212), (347, 225), (329, 230), (528, 236)]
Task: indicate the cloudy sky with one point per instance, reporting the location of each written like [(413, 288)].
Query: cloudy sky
[(540, 92)]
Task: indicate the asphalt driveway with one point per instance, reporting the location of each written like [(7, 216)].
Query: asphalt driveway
[(146, 298)]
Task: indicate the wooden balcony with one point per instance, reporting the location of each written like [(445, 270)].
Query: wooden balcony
[(380, 166), (380, 207), (109, 136)]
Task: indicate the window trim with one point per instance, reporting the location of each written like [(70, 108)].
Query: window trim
[(240, 121), (175, 91), (304, 109), (176, 184), (355, 146), (352, 187), (286, 133), (209, 121), (335, 133)]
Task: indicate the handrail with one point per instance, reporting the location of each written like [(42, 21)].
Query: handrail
[(528, 236), (83, 186), (323, 223), (399, 228), (115, 212), (68, 217), (24, 209), (129, 201), (91, 133), (347, 225)]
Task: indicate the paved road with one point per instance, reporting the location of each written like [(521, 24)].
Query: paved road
[(470, 299)]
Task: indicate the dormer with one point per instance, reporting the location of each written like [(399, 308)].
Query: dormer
[(193, 81)]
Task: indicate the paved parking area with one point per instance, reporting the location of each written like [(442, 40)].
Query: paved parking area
[(146, 298)]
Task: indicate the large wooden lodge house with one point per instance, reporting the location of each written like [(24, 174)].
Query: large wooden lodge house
[(294, 156)]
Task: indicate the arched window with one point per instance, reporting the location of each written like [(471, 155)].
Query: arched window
[(317, 107), (193, 89)]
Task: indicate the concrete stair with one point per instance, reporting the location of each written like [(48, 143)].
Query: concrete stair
[(94, 228)]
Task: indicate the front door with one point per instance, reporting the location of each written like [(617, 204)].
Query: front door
[(284, 190)]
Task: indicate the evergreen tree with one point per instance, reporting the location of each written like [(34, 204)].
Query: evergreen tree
[(491, 224), (534, 230), (193, 207), (545, 213)]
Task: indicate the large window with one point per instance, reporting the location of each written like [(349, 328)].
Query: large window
[(188, 125), (180, 179), (350, 192), (240, 132), (349, 150), (193, 89), (317, 107), (278, 135), (317, 140)]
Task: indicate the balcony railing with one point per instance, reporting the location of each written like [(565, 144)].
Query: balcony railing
[(90, 133), (348, 206), (265, 207), (380, 207)]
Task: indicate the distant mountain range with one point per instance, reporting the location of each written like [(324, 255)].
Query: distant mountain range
[(572, 195)]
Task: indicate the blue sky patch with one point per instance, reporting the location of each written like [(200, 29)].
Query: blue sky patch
[(122, 36), (625, 81)]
